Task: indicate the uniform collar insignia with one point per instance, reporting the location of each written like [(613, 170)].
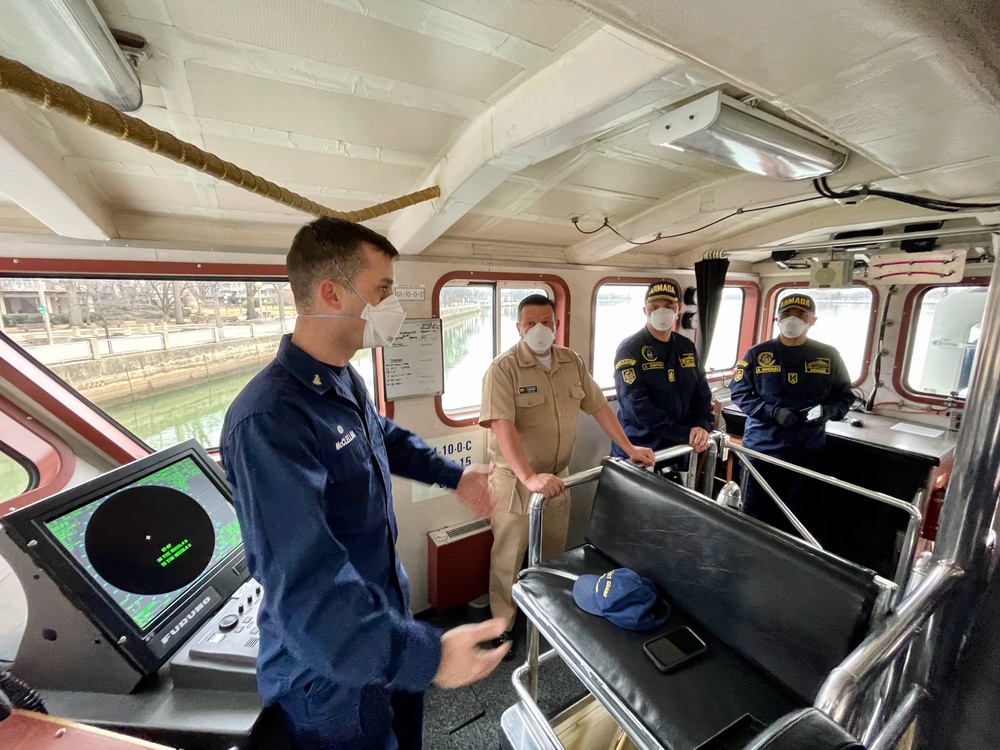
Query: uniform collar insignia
[(317, 380)]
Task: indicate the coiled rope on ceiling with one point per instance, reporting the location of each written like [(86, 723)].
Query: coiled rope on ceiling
[(48, 94)]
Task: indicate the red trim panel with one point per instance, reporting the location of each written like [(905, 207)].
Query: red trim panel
[(562, 300), (37, 445)]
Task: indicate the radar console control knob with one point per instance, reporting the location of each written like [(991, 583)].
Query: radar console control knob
[(228, 622)]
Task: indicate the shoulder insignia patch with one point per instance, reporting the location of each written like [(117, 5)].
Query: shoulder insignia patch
[(624, 363), (820, 366), (738, 375), (648, 354), (628, 376), (742, 363), (687, 360)]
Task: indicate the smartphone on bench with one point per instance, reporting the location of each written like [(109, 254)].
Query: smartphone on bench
[(671, 650)]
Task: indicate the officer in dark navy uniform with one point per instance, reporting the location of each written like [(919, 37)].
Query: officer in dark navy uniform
[(789, 388), (663, 396), (309, 459)]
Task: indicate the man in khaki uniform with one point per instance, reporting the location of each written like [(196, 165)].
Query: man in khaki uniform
[(532, 397)]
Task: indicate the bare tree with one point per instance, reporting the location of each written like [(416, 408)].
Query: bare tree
[(253, 288)]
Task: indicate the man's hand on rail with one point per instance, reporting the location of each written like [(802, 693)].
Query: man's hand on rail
[(698, 439), (463, 660), (642, 456), (549, 485), (474, 490)]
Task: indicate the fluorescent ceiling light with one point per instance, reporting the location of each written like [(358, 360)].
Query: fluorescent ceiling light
[(729, 132), (68, 41)]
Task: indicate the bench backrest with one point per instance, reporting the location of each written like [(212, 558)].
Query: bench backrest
[(794, 610)]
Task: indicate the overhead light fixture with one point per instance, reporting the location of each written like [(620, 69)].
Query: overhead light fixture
[(68, 41), (731, 133)]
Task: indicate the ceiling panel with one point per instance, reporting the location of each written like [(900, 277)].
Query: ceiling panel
[(308, 28), (238, 97), (232, 198), (312, 168), (629, 177), (157, 195), (88, 143), (564, 204), (504, 195), (512, 230), (542, 22)]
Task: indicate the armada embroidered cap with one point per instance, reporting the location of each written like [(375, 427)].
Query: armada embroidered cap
[(801, 301), (662, 290), (622, 596)]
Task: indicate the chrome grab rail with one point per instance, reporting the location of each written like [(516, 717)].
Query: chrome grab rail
[(838, 697), (911, 509)]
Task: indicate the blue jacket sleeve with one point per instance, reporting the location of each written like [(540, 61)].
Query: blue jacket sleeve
[(331, 617), (634, 396), (743, 390), (840, 398), (411, 458)]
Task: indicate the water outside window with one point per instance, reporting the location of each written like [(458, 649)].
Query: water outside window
[(619, 313), (163, 358), (479, 322), (14, 478), (725, 349), (948, 326), (843, 317)]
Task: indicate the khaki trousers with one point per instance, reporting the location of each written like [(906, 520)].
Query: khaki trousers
[(510, 541)]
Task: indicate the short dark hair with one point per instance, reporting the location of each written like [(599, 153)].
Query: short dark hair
[(534, 300), (323, 246)]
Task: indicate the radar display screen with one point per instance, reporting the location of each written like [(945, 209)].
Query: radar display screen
[(146, 543)]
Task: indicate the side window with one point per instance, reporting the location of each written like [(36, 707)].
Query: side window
[(478, 321), (618, 313), (725, 348), (948, 324), (165, 358), (843, 317), (14, 478)]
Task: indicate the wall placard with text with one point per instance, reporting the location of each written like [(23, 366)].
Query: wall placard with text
[(414, 365)]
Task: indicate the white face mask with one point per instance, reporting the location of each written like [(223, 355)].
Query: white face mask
[(539, 339), (382, 321), (792, 328), (662, 318)]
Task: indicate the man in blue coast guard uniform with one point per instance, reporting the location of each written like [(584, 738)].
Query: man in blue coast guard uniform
[(663, 396), (310, 460), (789, 388)]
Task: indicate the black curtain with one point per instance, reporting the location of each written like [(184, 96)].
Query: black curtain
[(710, 278)]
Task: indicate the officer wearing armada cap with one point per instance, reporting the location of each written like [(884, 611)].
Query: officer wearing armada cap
[(789, 388), (663, 396)]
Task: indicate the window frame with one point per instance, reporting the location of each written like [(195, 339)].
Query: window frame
[(767, 320), (94, 425), (562, 301), (907, 333)]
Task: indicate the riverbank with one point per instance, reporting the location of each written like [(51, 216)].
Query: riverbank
[(126, 377)]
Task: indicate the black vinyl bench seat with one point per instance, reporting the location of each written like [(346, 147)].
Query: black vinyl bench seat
[(777, 615)]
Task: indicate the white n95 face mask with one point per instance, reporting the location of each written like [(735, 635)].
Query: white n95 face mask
[(382, 322), (792, 328), (662, 318), (539, 339)]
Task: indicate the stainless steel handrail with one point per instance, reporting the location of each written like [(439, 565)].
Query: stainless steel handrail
[(785, 510), (911, 509), (838, 695), (897, 724)]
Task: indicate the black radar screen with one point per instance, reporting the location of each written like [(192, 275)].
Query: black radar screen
[(150, 540)]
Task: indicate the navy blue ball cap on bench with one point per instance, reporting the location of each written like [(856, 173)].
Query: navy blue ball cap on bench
[(622, 596)]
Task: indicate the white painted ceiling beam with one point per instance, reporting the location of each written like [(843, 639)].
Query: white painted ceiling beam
[(691, 210), (606, 80), (39, 183)]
